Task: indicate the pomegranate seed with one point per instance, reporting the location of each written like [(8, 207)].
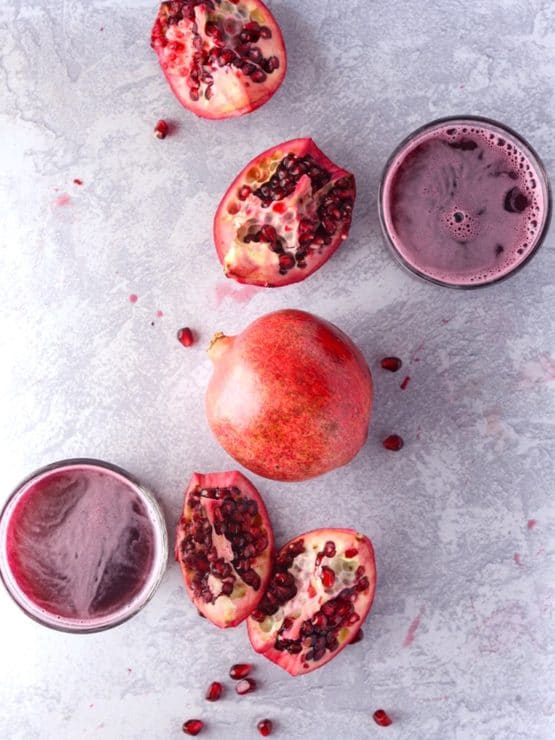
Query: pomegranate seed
[(394, 442), (328, 577), (405, 382), (244, 192), (382, 718), (185, 336), (357, 638), (265, 727), (239, 670), (245, 686), (352, 552), (214, 691), (193, 726), (77, 181), (329, 549), (161, 129), (392, 364)]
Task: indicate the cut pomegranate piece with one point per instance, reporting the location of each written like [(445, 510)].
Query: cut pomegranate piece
[(290, 397), (224, 545), (239, 670), (284, 215), (301, 625), (221, 58)]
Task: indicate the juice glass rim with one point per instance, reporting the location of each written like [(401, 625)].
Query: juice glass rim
[(488, 122), (156, 572)]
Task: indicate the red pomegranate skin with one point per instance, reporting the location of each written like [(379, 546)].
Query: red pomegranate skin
[(290, 397)]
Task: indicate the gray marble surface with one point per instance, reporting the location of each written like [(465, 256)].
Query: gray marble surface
[(460, 643)]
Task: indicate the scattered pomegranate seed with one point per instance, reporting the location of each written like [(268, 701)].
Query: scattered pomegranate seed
[(77, 181), (392, 364), (185, 336), (328, 576), (161, 129), (265, 727), (357, 638), (245, 686), (382, 718), (214, 691), (405, 382), (394, 442), (239, 670), (193, 726)]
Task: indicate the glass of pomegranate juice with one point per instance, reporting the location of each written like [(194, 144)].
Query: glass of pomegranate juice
[(464, 202), (83, 546)]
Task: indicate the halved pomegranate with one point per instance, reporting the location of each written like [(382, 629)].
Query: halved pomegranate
[(290, 397), (284, 215), (306, 616), (224, 546), (222, 58)]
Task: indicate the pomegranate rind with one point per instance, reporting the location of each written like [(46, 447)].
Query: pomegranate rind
[(311, 594), (257, 264), (226, 611), (290, 397), (233, 93)]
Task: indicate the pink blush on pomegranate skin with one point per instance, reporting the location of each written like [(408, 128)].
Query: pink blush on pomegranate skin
[(82, 546)]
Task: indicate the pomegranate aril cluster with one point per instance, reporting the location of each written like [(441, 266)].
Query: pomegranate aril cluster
[(236, 518), (282, 586), (334, 211)]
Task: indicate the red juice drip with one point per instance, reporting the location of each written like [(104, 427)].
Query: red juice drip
[(80, 543)]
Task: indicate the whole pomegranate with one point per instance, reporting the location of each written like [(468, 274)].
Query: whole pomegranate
[(290, 397), (284, 215), (221, 58)]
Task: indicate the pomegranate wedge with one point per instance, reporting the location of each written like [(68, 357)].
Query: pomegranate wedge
[(221, 58), (284, 215), (307, 617), (224, 546)]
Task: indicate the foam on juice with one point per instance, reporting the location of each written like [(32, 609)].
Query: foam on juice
[(464, 204)]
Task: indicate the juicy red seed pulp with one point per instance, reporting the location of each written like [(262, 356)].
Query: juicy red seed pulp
[(394, 443), (193, 726), (333, 213), (382, 718), (265, 727), (185, 336), (214, 691), (239, 670), (392, 364), (237, 518), (245, 686), (161, 129)]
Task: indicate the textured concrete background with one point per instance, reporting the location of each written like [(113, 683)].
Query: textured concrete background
[(460, 641)]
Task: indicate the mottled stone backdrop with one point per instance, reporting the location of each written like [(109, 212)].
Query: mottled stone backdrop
[(460, 643)]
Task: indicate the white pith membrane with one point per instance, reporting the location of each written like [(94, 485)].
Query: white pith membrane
[(223, 608), (229, 87), (312, 595), (245, 216)]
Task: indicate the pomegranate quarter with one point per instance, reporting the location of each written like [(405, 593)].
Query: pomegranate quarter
[(224, 546), (290, 397), (284, 215), (221, 58), (305, 619)]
